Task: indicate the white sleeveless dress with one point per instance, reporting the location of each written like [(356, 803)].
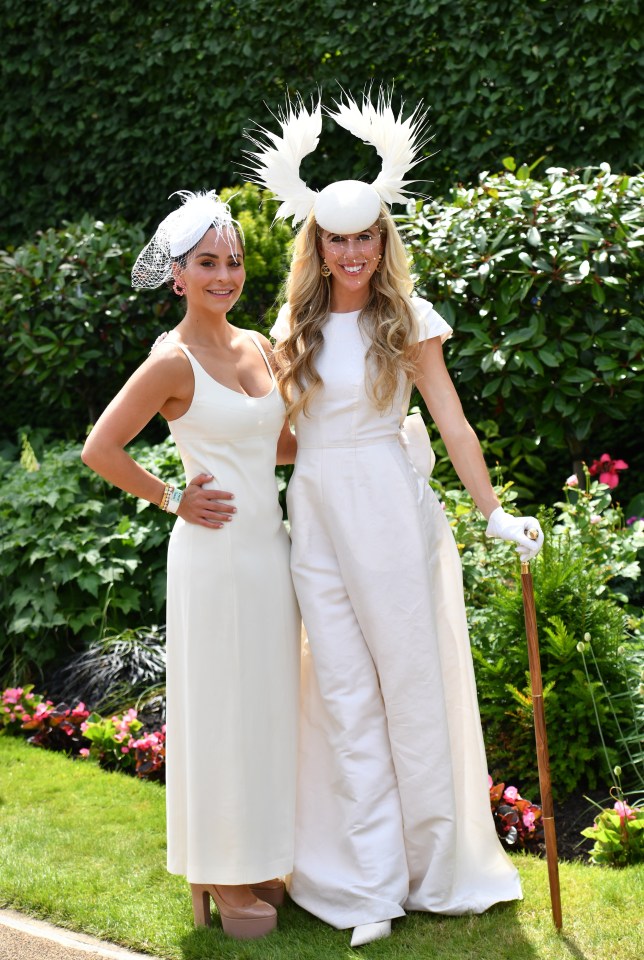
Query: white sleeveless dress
[(233, 651), (393, 809)]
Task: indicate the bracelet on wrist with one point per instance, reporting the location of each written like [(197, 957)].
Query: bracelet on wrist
[(174, 500), (171, 498)]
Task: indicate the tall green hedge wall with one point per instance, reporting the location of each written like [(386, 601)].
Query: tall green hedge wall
[(107, 108)]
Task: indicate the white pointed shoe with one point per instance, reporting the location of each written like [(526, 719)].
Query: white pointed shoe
[(368, 932)]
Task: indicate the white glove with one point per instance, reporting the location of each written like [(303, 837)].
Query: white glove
[(506, 527)]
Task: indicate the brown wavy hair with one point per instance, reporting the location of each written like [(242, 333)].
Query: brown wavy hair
[(387, 319)]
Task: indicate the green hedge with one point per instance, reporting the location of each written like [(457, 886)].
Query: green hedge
[(543, 281), (74, 329), (109, 110)]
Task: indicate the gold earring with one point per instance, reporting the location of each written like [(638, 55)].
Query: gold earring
[(324, 270)]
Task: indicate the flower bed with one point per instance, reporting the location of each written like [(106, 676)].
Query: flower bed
[(116, 743)]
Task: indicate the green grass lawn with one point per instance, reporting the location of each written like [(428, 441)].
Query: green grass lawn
[(86, 849)]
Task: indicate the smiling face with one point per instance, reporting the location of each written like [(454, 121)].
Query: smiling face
[(352, 259), (214, 274)]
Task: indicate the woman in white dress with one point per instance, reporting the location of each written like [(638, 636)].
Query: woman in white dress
[(393, 810), (232, 619)]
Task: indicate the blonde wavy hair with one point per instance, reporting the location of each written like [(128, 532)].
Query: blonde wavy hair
[(387, 318)]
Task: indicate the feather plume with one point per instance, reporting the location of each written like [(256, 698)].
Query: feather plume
[(275, 165), (397, 141)]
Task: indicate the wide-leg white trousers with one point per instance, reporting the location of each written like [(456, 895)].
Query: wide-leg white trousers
[(393, 810)]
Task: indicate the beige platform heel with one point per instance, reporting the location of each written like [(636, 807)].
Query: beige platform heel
[(243, 923), (270, 891)]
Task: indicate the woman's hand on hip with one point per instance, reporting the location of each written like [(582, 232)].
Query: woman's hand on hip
[(207, 508)]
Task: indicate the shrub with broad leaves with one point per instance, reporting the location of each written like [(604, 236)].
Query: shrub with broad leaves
[(542, 280), (618, 834)]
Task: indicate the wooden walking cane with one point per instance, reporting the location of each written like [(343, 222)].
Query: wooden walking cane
[(543, 759)]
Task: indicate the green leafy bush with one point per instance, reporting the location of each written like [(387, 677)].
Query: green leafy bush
[(543, 281), (573, 599), (74, 327), (267, 249), (111, 738), (77, 557), (618, 835)]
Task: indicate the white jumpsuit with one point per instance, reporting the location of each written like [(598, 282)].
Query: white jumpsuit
[(393, 809), (233, 646)]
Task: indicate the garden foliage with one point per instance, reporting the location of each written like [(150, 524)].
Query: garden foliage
[(587, 549), (77, 556), (110, 110), (119, 742), (543, 281), (116, 743), (115, 671), (618, 835), (518, 822), (81, 562), (74, 327)]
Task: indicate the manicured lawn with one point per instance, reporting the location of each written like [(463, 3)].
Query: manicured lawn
[(86, 849)]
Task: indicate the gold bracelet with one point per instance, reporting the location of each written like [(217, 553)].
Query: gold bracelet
[(167, 490)]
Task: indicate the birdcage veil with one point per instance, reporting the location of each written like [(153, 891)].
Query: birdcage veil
[(179, 234)]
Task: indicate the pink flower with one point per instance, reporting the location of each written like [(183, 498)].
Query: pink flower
[(595, 518), (528, 819), (511, 794), (607, 469), (12, 694), (573, 480), (624, 811), (125, 749), (84, 752)]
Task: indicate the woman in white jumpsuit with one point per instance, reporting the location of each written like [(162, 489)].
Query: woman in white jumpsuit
[(393, 810)]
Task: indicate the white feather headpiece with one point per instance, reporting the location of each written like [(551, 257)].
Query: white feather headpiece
[(276, 163), (346, 206), (398, 142)]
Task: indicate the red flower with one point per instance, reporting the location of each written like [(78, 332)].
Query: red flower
[(607, 469)]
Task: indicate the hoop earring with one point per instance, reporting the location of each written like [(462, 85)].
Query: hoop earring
[(324, 270), (179, 287)]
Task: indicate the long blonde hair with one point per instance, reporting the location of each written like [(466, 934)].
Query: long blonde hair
[(387, 318)]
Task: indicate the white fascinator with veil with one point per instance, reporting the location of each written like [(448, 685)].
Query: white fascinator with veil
[(179, 233)]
